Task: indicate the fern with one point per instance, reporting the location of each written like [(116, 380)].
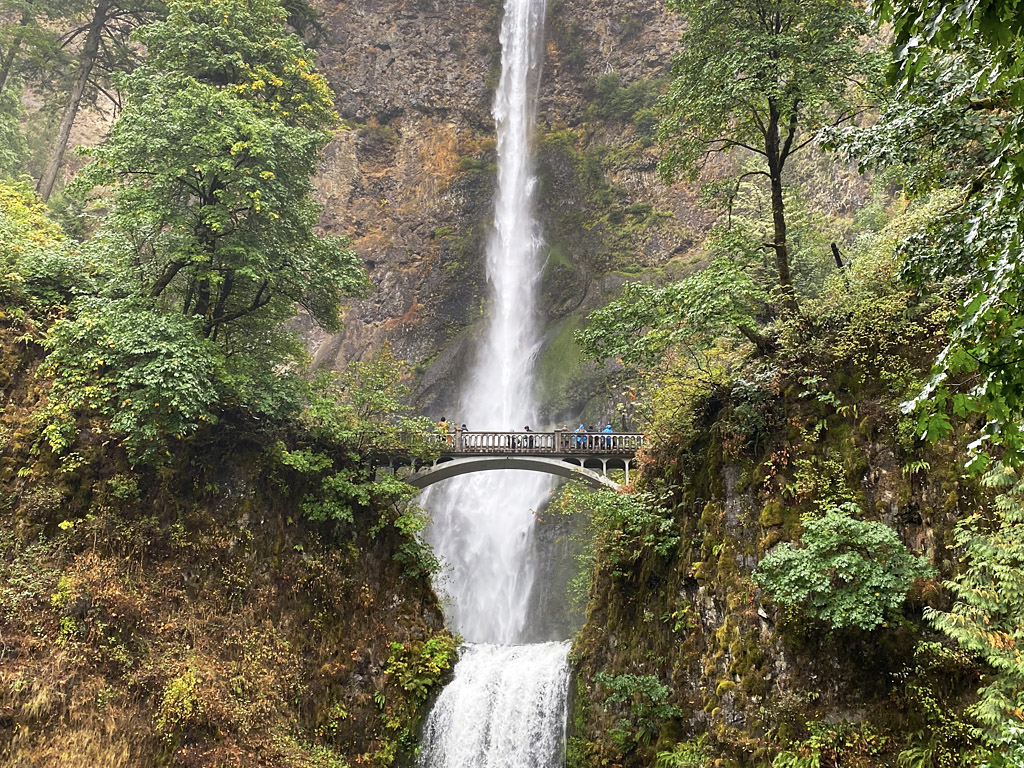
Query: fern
[(988, 616)]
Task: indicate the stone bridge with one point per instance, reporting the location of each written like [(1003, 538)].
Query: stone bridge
[(586, 457)]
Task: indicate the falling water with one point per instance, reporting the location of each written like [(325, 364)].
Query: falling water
[(482, 523), (505, 707)]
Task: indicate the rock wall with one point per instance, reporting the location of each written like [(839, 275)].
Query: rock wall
[(680, 647), (189, 614)]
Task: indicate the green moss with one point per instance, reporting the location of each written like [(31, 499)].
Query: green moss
[(560, 362), (772, 514)]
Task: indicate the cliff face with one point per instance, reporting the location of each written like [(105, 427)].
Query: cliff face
[(189, 615), (683, 653), (411, 178)]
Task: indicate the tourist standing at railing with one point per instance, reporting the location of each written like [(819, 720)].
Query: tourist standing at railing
[(528, 438), (580, 438), (607, 431)]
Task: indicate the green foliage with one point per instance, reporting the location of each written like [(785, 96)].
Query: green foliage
[(831, 745), (367, 407), (414, 670), (353, 421), (847, 573), (209, 247), (940, 733), (774, 64), (957, 120), (641, 326), (209, 168), (924, 29), (694, 753), (623, 526), (414, 553), (147, 372), (644, 701), (13, 148), (418, 669), (39, 269), (988, 616), (780, 69), (615, 102), (180, 706)]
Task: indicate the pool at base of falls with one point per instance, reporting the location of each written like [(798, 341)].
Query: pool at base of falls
[(504, 708)]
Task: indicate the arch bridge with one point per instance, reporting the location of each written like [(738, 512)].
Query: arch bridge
[(586, 457)]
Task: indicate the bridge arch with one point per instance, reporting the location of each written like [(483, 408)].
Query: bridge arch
[(448, 468)]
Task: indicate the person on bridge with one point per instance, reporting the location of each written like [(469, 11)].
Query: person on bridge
[(607, 431), (580, 432), (529, 437)]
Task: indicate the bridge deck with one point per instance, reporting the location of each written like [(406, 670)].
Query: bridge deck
[(557, 443)]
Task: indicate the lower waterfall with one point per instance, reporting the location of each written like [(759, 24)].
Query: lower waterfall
[(504, 709)]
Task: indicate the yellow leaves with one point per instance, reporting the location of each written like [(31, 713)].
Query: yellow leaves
[(268, 175), (1000, 641)]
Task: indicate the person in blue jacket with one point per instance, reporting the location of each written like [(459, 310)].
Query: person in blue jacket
[(607, 431), (581, 432)]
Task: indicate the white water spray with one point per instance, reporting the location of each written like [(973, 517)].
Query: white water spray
[(504, 709), (482, 523), (506, 706)]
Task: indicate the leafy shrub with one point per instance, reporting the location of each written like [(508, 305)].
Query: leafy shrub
[(647, 707), (831, 745), (37, 266), (614, 101), (987, 618), (146, 371), (847, 573), (180, 708), (623, 525), (687, 754)]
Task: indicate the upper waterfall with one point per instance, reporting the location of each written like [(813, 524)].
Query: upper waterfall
[(482, 524)]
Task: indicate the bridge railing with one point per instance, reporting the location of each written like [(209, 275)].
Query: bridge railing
[(558, 442)]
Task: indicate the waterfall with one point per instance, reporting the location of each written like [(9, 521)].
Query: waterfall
[(482, 523), (505, 707)]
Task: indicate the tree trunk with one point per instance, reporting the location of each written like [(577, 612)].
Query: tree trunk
[(776, 160), (779, 242), (8, 62), (85, 64)]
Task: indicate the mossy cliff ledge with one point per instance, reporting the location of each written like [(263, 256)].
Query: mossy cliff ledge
[(683, 657), (189, 615)]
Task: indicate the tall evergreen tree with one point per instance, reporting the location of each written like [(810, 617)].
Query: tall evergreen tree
[(100, 35)]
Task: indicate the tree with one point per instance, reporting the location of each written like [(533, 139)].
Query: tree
[(210, 168), (646, 322), (29, 33), (762, 76), (210, 245), (966, 61), (104, 36), (988, 615)]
